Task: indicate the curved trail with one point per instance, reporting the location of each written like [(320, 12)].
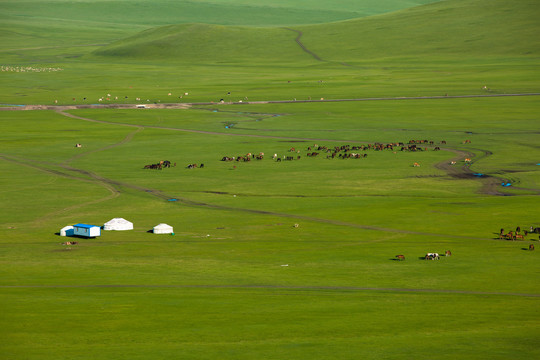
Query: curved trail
[(89, 177), (115, 187), (128, 138), (188, 105), (334, 289), (302, 46), (490, 184)]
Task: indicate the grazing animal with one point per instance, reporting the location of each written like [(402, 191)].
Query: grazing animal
[(518, 236), (400, 257), (447, 253), (531, 247), (432, 256)]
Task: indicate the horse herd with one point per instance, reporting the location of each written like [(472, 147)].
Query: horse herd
[(342, 152), (245, 158), (428, 256), (511, 235), (516, 235), (160, 165)]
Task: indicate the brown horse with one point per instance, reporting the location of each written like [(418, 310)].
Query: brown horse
[(531, 247), (400, 257), (447, 253)]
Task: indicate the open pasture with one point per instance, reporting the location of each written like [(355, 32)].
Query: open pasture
[(288, 259), (237, 263)]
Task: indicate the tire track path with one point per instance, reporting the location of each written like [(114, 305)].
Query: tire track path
[(335, 289), (302, 46), (188, 105)]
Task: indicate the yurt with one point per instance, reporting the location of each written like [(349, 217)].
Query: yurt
[(163, 229), (67, 231), (118, 224)]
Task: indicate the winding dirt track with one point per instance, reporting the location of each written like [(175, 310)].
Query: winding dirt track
[(318, 289), (188, 105), (115, 187), (302, 46)]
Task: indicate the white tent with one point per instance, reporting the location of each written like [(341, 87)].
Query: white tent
[(66, 231), (163, 229), (118, 224)]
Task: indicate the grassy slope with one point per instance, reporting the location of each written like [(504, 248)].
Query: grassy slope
[(155, 62), (209, 44), (41, 23), (235, 12), (246, 249), (449, 29), (427, 32)]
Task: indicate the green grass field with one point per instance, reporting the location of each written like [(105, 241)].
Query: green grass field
[(270, 259)]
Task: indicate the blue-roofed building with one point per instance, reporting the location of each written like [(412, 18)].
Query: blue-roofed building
[(86, 230)]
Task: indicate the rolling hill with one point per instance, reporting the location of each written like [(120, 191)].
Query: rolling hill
[(454, 29)]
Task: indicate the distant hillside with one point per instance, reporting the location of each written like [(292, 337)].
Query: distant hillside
[(209, 44), (222, 12), (453, 28)]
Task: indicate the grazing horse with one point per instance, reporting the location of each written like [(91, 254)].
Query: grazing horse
[(510, 236), (447, 253), (518, 236), (400, 257), (432, 256), (531, 247)]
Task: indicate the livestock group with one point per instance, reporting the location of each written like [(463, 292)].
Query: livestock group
[(332, 152), (516, 235), (244, 158), (7, 68), (160, 165)]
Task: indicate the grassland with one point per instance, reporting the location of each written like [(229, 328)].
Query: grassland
[(238, 280)]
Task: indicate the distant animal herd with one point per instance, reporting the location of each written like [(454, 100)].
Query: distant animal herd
[(356, 152)]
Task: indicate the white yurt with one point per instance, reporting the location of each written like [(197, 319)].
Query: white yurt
[(163, 229), (118, 224), (67, 231)]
